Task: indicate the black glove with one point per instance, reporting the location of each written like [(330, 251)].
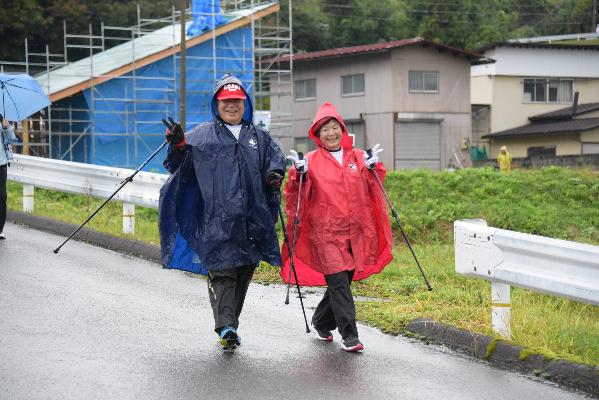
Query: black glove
[(174, 133), (273, 180)]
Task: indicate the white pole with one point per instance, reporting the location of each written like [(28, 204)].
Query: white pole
[(129, 218), (28, 198), (501, 309)]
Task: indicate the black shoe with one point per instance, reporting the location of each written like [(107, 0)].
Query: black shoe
[(352, 345), (325, 336)]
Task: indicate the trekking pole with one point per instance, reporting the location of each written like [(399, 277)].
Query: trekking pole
[(286, 240), (380, 184), (123, 183), (295, 223)]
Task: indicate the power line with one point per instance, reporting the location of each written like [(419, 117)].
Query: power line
[(454, 12), (461, 8), (437, 3)]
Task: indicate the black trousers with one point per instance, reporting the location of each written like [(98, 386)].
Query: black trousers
[(337, 308), (3, 174), (227, 289)]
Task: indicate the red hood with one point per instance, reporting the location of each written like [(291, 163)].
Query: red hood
[(326, 112)]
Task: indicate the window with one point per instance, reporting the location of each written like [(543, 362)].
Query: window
[(356, 128), (481, 121), (305, 89), (590, 148), (303, 144), (424, 81), (540, 151), (547, 90), (352, 85)]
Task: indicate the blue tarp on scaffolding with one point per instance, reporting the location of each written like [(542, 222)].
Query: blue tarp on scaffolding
[(206, 15), (70, 115), (126, 110)]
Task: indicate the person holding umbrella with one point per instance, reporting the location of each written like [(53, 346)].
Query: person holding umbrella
[(7, 134), (218, 210), (344, 233), (20, 97)]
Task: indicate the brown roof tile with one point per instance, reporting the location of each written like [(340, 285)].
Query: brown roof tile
[(378, 47)]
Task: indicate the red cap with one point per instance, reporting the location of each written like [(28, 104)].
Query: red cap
[(230, 91)]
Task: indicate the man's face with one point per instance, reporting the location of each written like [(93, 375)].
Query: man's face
[(231, 110)]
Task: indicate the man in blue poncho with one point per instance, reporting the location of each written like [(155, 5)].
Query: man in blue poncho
[(220, 204)]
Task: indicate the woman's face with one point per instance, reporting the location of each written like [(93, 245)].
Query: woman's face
[(330, 135)]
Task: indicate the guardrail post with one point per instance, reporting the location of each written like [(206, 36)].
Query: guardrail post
[(501, 309), (541, 264), (129, 218), (28, 198)]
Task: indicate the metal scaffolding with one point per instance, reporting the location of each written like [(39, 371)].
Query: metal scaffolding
[(56, 131)]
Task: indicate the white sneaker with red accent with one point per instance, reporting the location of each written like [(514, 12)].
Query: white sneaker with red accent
[(325, 336), (352, 345)]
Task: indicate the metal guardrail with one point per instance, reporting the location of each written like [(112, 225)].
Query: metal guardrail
[(86, 179), (542, 264)]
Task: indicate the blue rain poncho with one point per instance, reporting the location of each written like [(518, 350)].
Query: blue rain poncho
[(215, 211)]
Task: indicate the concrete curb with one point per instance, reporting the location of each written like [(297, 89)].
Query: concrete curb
[(122, 245), (578, 376), (502, 354)]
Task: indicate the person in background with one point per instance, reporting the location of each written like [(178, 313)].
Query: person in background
[(504, 159), (7, 136)]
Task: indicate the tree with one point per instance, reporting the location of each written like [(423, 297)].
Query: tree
[(41, 21), (311, 25), (18, 20), (317, 24), (368, 21)]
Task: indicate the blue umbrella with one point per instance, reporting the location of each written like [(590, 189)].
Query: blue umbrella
[(21, 96)]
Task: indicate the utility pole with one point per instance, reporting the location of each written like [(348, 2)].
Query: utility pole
[(182, 8)]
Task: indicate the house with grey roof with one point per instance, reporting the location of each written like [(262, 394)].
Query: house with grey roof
[(524, 99), (566, 132), (412, 96)]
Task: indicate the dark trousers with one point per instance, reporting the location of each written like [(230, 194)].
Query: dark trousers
[(3, 172), (337, 309), (227, 289)]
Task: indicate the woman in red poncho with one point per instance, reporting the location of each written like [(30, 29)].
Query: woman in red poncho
[(344, 231)]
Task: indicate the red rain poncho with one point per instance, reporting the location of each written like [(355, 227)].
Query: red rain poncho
[(343, 215)]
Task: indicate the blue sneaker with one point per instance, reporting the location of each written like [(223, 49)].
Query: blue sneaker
[(229, 339)]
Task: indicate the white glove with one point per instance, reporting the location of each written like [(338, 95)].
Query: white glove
[(374, 158), (300, 165)]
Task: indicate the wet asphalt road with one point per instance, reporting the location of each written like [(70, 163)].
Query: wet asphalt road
[(93, 324)]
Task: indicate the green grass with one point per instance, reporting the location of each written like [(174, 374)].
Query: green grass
[(75, 209), (555, 202)]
